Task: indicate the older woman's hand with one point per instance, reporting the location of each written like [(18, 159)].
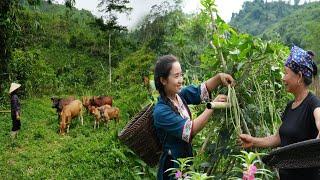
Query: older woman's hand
[(226, 79), (246, 140)]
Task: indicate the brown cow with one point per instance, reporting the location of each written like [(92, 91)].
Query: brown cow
[(86, 101), (104, 113), (59, 103), (70, 111), (146, 81), (97, 101)]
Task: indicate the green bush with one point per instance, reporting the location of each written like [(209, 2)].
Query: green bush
[(30, 69)]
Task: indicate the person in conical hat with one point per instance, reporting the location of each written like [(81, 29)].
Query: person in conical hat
[(13, 87), (15, 108)]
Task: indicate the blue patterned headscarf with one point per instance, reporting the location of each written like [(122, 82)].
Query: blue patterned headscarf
[(300, 60)]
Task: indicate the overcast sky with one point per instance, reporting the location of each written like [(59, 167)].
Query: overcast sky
[(142, 7)]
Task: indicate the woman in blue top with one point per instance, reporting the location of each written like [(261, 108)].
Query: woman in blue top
[(172, 117), (301, 117)]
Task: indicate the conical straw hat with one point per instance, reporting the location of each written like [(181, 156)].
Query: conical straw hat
[(13, 87)]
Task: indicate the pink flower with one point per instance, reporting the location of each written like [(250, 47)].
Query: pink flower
[(252, 169), (247, 177), (178, 174), (249, 174)]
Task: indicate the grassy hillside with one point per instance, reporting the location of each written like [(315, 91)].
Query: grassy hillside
[(40, 152), (63, 52), (66, 44)]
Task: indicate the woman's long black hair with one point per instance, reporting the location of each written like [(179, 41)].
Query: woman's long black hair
[(162, 69)]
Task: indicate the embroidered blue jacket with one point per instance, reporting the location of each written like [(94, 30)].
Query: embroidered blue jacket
[(169, 127)]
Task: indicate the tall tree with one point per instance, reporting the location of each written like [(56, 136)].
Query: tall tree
[(112, 8), (8, 36), (70, 3), (34, 2)]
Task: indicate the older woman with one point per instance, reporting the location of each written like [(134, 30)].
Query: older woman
[(172, 117), (301, 117)]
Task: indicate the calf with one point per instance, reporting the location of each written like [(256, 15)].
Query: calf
[(104, 113), (70, 111)]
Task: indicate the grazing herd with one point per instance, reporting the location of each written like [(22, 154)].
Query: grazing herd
[(69, 108)]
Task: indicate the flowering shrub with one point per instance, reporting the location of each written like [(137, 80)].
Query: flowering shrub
[(249, 174), (250, 163), (185, 170)]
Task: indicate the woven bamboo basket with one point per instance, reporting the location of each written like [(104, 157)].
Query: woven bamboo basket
[(305, 154), (140, 136)]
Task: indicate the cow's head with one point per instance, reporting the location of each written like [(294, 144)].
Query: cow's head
[(62, 128), (92, 109), (55, 102), (86, 101)]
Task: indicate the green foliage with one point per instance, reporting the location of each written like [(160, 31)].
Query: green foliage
[(34, 2), (138, 64), (251, 160), (291, 24), (304, 33), (110, 8), (71, 47), (9, 30), (159, 26), (185, 171), (258, 15), (70, 3), (30, 69), (257, 67)]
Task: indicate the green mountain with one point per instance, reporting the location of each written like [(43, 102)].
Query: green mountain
[(255, 17), (300, 27), (291, 24)]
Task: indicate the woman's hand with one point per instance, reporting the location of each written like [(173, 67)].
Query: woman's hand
[(220, 98), (220, 102), (226, 79), (246, 140)]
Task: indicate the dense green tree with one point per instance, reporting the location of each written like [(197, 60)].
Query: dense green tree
[(8, 36), (34, 2), (70, 3)]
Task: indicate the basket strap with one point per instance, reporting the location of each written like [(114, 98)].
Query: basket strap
[(151, 105), (186, 105), (164, 141)]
